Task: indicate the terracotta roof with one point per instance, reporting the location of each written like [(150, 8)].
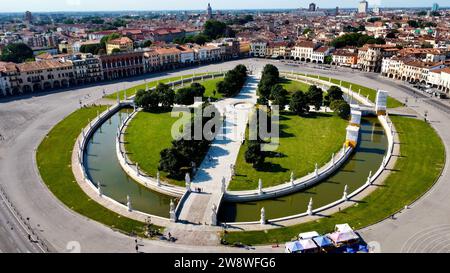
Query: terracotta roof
[(7, 67), (45, 56), (169, 50), (420, 64), (42, 65), (345, 53), (308, 44), (322, 49), (121, 41)]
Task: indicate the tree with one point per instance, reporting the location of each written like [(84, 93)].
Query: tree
[(279, 96), (149, 100), (184, 97), (215, 29), (299, 103), (170, 162), (17, 53), (108, 38), (413, 23), (333, 93), (147, 43), (165, 94), (315, 97), (270, 77), (264, 88), (392, 34), (197, 90), (342, 108), (271, 70), (355, 39), (233, 82), (91, 48), (200, 39), (254, 155), (328, 59)]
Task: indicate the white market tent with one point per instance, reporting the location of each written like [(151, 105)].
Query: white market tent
[(343, 228), (343, 237), (308, 244), (308, 235)]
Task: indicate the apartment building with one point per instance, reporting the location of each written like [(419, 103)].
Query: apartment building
[(45, 74), (276, 50), (303, 51), (123, 44), (344, 57), (152, 61), (9, 81), (121, 65), (370, 56), (86, 67), (258, 48), (319, 54)]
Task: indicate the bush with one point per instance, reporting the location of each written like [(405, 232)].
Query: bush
[(342, 108)]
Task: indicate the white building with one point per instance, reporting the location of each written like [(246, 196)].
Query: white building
[(318, 55), (187, 55), (258, 48), (303, 51), (363, 7)]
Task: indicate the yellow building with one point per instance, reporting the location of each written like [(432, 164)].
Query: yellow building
[(123, 44)]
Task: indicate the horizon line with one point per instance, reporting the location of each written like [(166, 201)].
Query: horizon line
[(227, 9)]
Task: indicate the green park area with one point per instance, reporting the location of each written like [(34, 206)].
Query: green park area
[(304, 141), (293, 86), (146, 136), (417, 169), (364, 91), (210, 85), (54, 160)]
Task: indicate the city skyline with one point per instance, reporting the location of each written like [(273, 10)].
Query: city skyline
[(103, 5)]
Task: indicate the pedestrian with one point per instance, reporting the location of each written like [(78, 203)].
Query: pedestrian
[(170, 236)]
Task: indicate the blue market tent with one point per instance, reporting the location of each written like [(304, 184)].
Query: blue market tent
[(323, 241), (293, 247)]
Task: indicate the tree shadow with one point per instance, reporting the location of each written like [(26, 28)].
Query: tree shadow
[(270, 167)]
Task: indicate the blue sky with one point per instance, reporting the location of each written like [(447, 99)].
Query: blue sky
[(95, 5)]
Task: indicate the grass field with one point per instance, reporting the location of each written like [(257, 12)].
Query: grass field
[(293, 86), (146, 136), (210, 86), (411, 178), (304, 141), (364, 91), (54, 157), (132, 91)]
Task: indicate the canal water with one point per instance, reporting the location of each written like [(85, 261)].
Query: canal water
[(367, 157), (103, 166)]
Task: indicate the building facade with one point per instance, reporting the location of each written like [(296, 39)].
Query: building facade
[(45, 74), (122, 65)]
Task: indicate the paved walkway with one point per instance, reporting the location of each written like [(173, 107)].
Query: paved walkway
[(222, 154)]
